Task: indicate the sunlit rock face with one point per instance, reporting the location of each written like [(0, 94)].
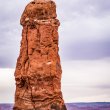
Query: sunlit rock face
[(38, 70)]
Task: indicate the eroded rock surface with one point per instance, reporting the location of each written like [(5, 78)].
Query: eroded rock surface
[(38, 70)]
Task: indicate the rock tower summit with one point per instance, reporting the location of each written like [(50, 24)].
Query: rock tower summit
[(38, 69)]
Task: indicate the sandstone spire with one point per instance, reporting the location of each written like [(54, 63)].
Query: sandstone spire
[(38, 70)]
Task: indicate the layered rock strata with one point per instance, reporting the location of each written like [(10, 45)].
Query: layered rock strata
[(38, 70)]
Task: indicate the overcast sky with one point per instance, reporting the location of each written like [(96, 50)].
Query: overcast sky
[(84, 31), (84, 40)]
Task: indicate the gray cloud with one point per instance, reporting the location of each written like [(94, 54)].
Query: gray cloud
[(10, 31), (86, 51), (68, 10), (84, 31)]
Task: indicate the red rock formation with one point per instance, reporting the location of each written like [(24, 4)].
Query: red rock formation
[(38, 70)]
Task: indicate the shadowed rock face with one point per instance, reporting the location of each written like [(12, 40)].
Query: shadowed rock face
[(38, 70)]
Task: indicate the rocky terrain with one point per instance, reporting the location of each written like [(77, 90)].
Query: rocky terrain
[(72, 106), (88, 106)]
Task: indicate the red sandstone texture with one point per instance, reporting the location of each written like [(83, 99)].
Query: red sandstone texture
[(38, 70)]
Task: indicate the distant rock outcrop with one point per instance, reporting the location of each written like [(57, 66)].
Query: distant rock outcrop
[(38, 70)]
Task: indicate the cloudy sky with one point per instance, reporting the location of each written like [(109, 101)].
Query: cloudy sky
[(84, 40)]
